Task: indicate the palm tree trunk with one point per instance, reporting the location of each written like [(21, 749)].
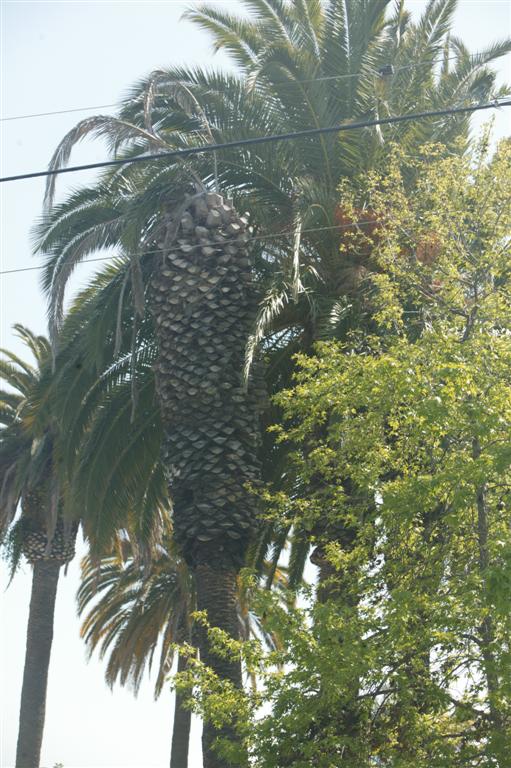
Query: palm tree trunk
[(204, 304), (37, 659), (217, 596), (181, 727)]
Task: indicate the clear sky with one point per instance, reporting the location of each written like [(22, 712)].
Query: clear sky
[(60, 55)]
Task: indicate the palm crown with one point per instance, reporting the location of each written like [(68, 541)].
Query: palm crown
[(324, 65), (29, 459)]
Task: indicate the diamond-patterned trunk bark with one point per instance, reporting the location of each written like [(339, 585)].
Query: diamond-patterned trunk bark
[(204, 304), (35, 543)]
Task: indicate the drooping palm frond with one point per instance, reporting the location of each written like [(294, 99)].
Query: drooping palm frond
[(117, 132), (133, 611), (91, 385)]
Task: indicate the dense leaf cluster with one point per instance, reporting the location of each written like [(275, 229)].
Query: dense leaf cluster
[(404, 658)]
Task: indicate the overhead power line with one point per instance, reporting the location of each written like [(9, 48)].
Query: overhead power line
[(278, 82), (271, 236), (310, 132), (57, 112)]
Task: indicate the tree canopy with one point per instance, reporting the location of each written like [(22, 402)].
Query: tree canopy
[(418, 417)]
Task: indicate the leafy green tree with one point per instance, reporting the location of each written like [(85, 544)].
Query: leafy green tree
[(423, 426), (418, 417), (30, 481)]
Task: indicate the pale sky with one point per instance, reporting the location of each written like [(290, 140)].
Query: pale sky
[(61, 55)]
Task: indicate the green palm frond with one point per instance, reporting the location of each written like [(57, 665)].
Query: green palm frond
[(242, 39), (112, 476), (433, 26), (29, 483), (130, 609), (273, 14), (14, 375), (38, 345)]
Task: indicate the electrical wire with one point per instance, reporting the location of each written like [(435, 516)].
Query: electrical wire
[(273, 236), (374, 72), (277, 82), (57, 112), (310, 132)]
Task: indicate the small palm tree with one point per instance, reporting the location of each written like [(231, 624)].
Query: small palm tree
[(131, 608), (29, 480), (134, 608)]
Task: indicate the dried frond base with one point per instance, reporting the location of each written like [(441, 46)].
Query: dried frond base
[(35, 545), (204, 304)]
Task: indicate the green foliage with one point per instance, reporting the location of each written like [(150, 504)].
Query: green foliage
[(406, 658), (29, 449), (131, 608)]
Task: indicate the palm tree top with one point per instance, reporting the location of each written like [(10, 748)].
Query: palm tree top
[(30, 479), (299, 64), (24, 453)]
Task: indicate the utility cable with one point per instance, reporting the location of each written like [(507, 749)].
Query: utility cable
[(275, 82), (57, 112), (273, 236), (310, 132)]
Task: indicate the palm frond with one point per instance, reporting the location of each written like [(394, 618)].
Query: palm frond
[(241, 39), (99, 126)]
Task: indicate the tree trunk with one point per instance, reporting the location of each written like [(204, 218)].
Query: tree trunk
[(204, 302), (37, 659), (217, 596), (497, 737), (181, 727), (486, 629)]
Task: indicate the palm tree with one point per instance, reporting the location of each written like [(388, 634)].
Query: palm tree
[(326, 64), (213, 511), (110, 486), (29, 477), (134, 607)]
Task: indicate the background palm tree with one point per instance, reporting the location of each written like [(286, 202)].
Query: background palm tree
[(131, 608), (29, 477)]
